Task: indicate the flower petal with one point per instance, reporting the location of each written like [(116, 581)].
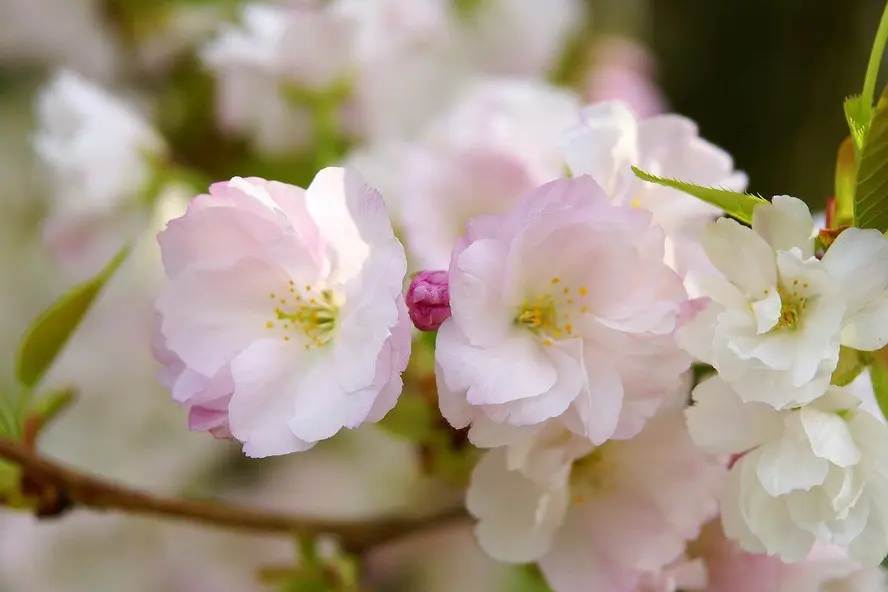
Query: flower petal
[(786, 224), (720, 422), (742, 256), (517, 518)]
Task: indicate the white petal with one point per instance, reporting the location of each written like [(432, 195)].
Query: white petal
[(604, 145), (452, 400), (742, 255), (810, 510), (516, 368), (871, 547), (695, 336), (511, 527), (858, 262), (789, 463), (582, 560), (322, 407), (867, 330), (768, 517), (871, 435), (476, 298), (776, 387), (720, 422), (843, 487), (576, 562), (787, 223), (849, 527), (599, 405), (767, 311), (350, 215), (571, 377), (263, 401), (733, 518), (830, 437), (211, 314)]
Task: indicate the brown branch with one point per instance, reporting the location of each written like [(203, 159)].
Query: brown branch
[(99, 494)]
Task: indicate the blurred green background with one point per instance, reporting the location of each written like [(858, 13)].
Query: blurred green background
[(765, 79)]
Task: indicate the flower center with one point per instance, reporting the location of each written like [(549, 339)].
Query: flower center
[(792, 306), (309, 312), (549, 315), (590, 475)]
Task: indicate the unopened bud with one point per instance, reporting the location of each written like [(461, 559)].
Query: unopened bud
[(428, 300)]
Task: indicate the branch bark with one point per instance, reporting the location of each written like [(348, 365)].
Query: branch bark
[(99, 494)]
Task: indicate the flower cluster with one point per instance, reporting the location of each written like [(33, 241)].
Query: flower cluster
[(565, 337), (813, 465), (548, 309)]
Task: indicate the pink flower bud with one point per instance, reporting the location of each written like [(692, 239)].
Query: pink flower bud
[(428, 300)]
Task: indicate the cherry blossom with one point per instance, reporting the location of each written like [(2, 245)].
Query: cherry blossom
[(609, 139), (357, 56), (730, 569), (623, 71), (814, 473), (595, 518), (778, 313), (515, 37), (289, 298), (498, 142), (562, 308), (254, 58), (98, 149)]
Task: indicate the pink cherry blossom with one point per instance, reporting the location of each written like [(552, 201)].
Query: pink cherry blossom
[(623, 71), (206, 397), (601, 518), (295, 296), (501, 140), (97, 148), (517, 37), (730, 569), (562, 308), (684, 574), (385, 51), (609, 139)]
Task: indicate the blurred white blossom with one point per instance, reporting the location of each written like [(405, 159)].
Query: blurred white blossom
[(499, 141), (59, 33), (98, 150), (517, 37)]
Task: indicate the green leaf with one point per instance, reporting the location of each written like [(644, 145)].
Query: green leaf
[(311, 581), (527, 578), (48, 334), (466, 9), (846, 179), (53, 403), (858, 114), (10, 421), (871, 192), (851, 364), (879, 376), (738, 205), (11, 495)]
